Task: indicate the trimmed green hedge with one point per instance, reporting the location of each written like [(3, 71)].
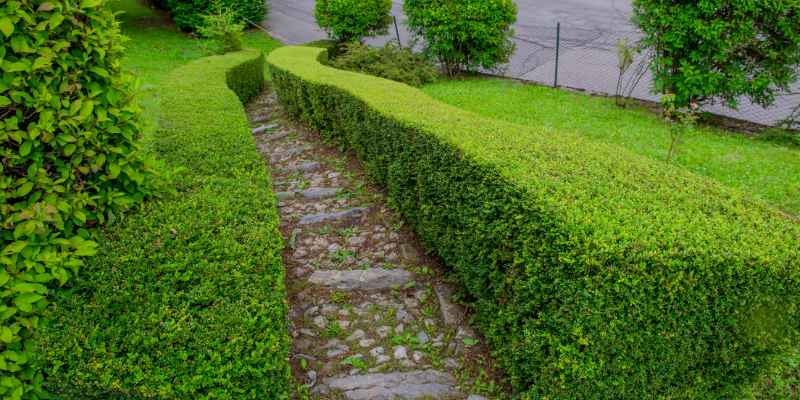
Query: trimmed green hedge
[(186, 298), (594, 273)]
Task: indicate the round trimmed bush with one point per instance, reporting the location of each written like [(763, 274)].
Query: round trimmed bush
[(69, 159), (353, 20), (464, 35)]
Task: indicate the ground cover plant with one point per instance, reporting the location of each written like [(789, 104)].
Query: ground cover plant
[(390, 61), (765, 169), (70, 161), (594, 272)]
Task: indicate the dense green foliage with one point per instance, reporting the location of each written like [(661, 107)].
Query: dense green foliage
[(353, 20), (710, 49), (188, 14), (765, 169), (69, 160), (464, 35), (390, 61), (594, 272), (185, 299), (221, 27)]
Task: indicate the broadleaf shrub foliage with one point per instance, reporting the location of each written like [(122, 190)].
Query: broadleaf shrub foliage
[(353, 20), (188, 14), (594, 273), (722, 49), (69, 160), (186, 297), (464, 35), (390, 61)]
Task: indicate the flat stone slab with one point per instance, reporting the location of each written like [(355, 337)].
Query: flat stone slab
[(305, 167), (333, 217), (263, 128), (318, 193), (365, 279), (277, 136), (399, 385), (452, 314)]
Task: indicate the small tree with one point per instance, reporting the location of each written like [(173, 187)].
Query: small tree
[(721, 49), (353, 20), (464, 35)]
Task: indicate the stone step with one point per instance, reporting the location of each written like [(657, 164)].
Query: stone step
[(288, 153), (277, 136), (413, 385), (263, 128), (363, 279), (334, 216), (315, 193), (319, 193), (305, 167)]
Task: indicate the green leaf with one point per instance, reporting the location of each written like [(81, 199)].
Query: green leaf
[(91, 3), (15, 247), (4, 101), (24, 189), (26, 147), (46, 6), (6, 26)]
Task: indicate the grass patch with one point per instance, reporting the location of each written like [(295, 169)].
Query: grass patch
[(767, 170)]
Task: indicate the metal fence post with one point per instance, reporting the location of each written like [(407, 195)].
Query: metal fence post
[(558, 47), (397, 31)]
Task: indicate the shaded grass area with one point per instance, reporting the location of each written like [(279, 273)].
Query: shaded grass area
[(767, 170)]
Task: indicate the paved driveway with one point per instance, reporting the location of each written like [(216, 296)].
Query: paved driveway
[(589, 31)]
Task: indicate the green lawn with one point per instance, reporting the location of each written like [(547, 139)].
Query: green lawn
[(156, 47), (768, 170)]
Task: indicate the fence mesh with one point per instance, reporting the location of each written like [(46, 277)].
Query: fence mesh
[(570, 56)]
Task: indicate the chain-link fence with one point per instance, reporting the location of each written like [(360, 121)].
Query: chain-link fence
[(592, 60)]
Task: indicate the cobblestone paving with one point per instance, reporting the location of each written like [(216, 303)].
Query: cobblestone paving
[(371, 317)]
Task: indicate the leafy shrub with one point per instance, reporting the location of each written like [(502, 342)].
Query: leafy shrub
[(188, 14), (353, 20), (464, 35), (594, 273), (69, 160), (221, 27), (390, 62), (185, 299), (705, 50)]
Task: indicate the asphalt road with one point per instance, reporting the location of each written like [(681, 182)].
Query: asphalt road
[(590, 30)]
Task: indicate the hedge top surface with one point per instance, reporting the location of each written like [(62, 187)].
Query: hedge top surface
[(615, 202)]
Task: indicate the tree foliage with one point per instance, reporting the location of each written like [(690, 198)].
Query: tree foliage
[(353, 20), (188, 14), (722, 49), (69, 159), (464, 34)]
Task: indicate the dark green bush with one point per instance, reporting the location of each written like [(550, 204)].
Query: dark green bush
[(594, 273), (353, 20), (188, 14), (186, 297), (721, 49), (464, 35), (69, 160), (390, 61)]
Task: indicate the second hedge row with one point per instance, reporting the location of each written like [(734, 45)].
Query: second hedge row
[(594, 273)]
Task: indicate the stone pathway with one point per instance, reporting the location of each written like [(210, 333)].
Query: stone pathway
[(370, 315)]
